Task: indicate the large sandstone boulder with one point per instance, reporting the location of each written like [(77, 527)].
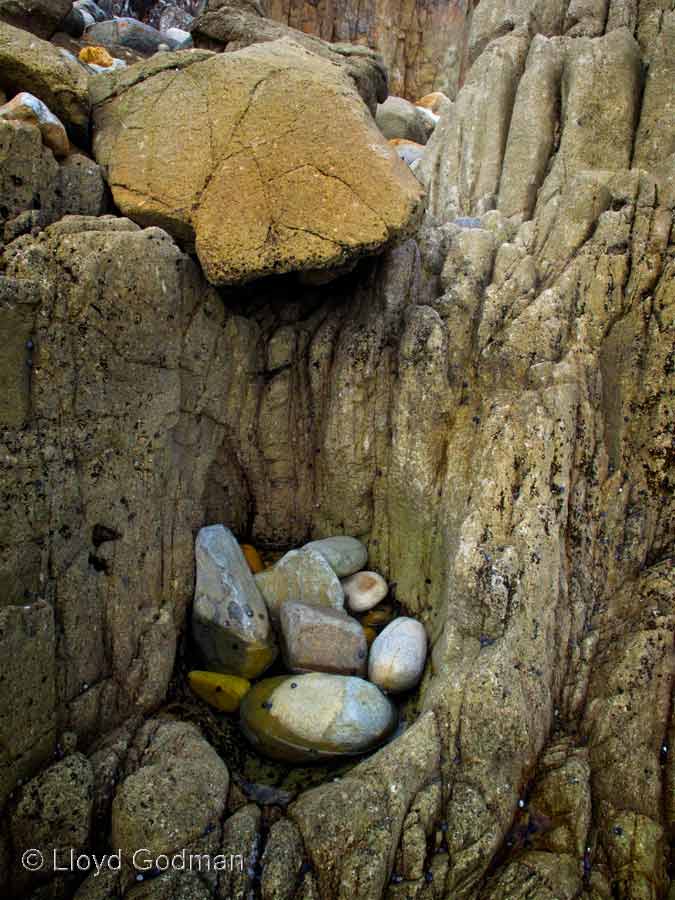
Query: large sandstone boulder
[(42, 17), (30, 64), (266, 159), (233, 24)]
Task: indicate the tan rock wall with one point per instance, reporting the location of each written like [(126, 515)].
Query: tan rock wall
[(422, 41)]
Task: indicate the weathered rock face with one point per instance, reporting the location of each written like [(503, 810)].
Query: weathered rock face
[(29, 64), (104, 363), (234, 24), (42, 17), (422, 42), (177, 789), (37, 190), (491, 411), (295, 176)]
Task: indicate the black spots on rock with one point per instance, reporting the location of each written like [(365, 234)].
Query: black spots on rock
[(100, 534), (99, 564), (485, 641)]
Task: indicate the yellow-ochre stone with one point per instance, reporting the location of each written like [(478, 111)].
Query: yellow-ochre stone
[(225, 692), (252, 558), (97, 56), (370, 634)]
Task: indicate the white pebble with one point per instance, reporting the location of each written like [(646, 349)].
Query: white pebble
[(364, 590), (398, 655)]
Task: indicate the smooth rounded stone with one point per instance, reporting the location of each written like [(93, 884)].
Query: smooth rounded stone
[(322, 640), (224, 692), (27, 108), (308, 717), (364, 590), (253, 558), (90, 8), (302, 575), (345, 555), (398, 654), (125, 32), (399, 118), (230, 623), (178, 39)]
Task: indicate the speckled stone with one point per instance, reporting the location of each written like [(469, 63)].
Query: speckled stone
[(304, 717), (301, 575), (229, 619), (322, 640)]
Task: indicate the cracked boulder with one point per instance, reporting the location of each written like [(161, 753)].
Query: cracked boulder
[(266, 160)]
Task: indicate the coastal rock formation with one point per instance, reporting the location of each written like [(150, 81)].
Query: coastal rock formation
[(29, 64), (294, 177), (41, 17), (487, 406), (423, 43)]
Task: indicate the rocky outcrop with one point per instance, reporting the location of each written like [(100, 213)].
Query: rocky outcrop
[(489, 408), (42, 17), (29, 64), (108, 342), (235, 24), (422, 42), (295, 176)]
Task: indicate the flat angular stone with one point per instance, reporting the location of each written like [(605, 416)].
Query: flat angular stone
[(346, 555), (229, 620), (322, 640), (302, 575)]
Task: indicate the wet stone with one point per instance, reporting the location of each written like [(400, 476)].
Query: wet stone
[(398, 655), (321, 716), (230, 623)]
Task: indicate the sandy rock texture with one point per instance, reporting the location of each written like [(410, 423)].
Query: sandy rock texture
[(487, 406), (41, 17), (95, 436), (423, 43), (30, 64), (295, 175)]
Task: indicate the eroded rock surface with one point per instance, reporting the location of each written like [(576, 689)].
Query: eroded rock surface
[(294, 176)]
